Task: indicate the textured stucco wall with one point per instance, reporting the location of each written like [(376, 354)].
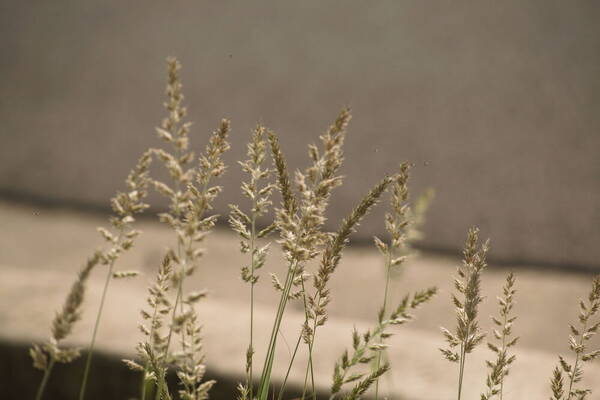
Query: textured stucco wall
[(497, 103)]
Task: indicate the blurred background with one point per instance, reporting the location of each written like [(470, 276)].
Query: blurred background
[(495, 103)]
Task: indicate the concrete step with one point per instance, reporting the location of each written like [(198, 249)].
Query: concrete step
[(41, 250)]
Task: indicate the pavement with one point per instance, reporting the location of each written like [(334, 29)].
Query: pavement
[(41, 250)]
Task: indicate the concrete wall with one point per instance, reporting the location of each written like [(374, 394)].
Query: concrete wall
[(497, 103)]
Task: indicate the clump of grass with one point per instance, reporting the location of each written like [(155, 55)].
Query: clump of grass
[(172, 332), (580, 334), (300, 222), (191, 196)]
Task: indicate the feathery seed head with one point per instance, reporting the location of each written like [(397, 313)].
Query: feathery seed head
[(499, 368), (468, 333)]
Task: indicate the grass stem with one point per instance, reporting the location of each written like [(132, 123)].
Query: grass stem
[(461, 370), (250, 379), (265, 380), (576, 365), (88, 361), (44, 381), (388, 267), (287, 374), (504, 322)]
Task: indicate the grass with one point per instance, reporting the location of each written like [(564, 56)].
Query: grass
[(170, 328)]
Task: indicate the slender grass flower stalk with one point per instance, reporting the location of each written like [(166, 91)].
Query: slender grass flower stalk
[(191, 196), (160, 305), (403, 224), (246, 227), (397, 223), (174, 131), (46, 355), (499, 368), (178, 163), (190, 362), (468, 333), (190, 199), (193, 226), (125, 206), (580, 334)]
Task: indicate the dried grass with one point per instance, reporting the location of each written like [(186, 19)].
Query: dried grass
[(171, 331)]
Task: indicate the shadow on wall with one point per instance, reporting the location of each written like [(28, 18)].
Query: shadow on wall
[(110, 378)]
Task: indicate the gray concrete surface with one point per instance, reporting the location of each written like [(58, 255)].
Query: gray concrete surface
[(41, 249), (495, 102)]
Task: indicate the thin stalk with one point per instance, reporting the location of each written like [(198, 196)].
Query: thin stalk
[(178, 216), (180, 283), (174, 313), (177, 213), (250, 378), (310, 349), (143, 386), (287, 374), (265, 377), (462, 368), (308, 369), (388, 262), (181, 307), (309, 365), (389, 377), (504, 350), (177, 300), (42, 387), (161, 388), (263, 389), (88, 361), (310, 345)]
